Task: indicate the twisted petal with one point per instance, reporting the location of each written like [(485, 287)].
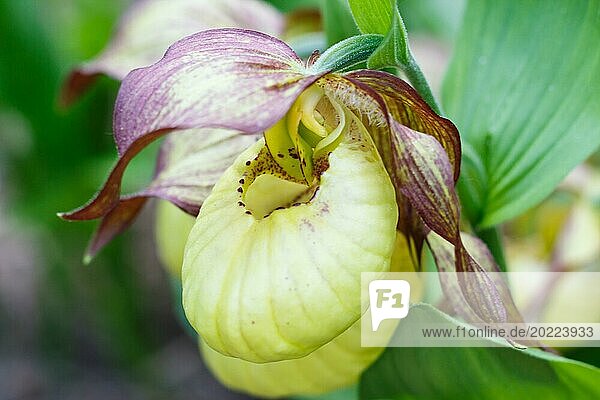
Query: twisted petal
[(421, 151), (224, 78), (150, 26), (188, 166), (274, 288), (445, 258), (405, 106), (425, 178)]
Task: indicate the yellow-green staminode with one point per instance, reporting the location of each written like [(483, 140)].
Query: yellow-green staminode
[(274, 275)]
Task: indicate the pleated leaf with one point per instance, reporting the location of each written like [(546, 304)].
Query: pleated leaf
[(524, 90)]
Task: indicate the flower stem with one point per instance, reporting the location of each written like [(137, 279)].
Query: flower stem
[(493, 239)]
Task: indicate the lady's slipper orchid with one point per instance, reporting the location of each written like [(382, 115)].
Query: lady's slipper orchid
[(272, 265)]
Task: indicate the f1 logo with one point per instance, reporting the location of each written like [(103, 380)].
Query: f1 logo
[(389, 299)]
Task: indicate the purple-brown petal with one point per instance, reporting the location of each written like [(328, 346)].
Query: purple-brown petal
[(408, 108), (191, 162), (148, 27), (188, 166), (366, 91), (424, 175), (113, 223), (223, 78)]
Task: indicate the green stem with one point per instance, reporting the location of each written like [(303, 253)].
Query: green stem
[(493, 239), (417, 79)]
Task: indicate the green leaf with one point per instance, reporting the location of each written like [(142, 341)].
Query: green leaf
[(337, 20), (474, 372), (439, 19), (373, 16), (343, 394), (524, 90), (384, 18), (394, 50), (293, 5)]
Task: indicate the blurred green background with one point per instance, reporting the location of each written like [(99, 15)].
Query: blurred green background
[(69, 331)]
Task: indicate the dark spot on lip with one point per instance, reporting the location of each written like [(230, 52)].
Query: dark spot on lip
[(240, 190), (280, 155), (321, 165), (241, 204), (308, 224), (293, 153), (248, 162), (241, 181), (249, 212)]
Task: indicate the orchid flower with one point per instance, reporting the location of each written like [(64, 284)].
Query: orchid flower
[(332, 165)]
